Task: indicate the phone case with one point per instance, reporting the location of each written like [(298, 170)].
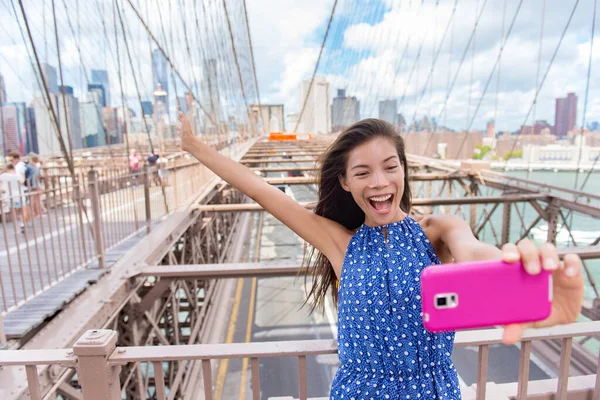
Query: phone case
[(483, 294)]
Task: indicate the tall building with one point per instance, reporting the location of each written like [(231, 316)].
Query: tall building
[(161, 73), (9, 126), (388, 111), (47, 138), (31, 141), (21, 125), (92, 130), (316, 118), (565, 115), (100, 90), (147, 108), (182, 104), (490, 129), (268, 118), (210, 98), (2, 91), (111, 122), (69, 119), (100, 77), (345, 111), (50, 77)]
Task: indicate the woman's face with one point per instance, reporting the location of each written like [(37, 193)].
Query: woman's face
[(375, 178)]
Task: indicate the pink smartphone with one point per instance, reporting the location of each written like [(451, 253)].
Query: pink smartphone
[(483, 294)]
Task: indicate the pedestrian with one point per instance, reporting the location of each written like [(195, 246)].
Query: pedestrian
[(23, 172), (369, 252), (12, 193), (134, 166), (35, 187)]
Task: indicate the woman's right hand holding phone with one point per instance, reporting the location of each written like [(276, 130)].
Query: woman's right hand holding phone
[(568, 285)]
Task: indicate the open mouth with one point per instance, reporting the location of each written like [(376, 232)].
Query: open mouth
[(382, 204)]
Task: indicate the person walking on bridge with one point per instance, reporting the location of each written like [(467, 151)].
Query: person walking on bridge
[(369, 252)]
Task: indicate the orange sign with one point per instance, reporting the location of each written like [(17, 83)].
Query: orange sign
[(289, 136)]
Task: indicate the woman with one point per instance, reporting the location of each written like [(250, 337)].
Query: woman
[(363, 236)]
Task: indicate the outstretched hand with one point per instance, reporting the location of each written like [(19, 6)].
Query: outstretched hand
[(568, 288), (184, 130)]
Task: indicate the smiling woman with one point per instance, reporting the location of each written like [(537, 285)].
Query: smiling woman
[(363, 237)]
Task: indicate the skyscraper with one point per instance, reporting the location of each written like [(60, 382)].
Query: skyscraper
[(565, 115), (345, 111), (9, 125), (92, 131), (100, 90), (100, 77), (388, 111), (2, 91), (50, 77), (69, 119), (147, 108), (161, 74), (47, 137), (316, 118), (31, 141)]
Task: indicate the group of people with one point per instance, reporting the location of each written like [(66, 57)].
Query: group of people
[(21, 188), (153, 160)]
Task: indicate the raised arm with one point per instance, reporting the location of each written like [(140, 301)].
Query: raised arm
[(327, 236)]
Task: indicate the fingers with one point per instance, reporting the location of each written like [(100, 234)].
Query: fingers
[(572, 265), (513, 333), (510, 253), (549, 257), (530, 256)]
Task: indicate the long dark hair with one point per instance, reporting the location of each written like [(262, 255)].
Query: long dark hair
[(338, 205)]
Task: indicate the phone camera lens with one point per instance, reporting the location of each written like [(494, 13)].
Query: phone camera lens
[(442, 301)]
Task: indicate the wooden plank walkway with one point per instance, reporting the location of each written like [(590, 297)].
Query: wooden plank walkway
[(51, 259)]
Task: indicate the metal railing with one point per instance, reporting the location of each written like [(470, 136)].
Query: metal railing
[(97, 361), (65, 225)]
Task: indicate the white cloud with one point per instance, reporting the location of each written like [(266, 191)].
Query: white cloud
[(287, 35)]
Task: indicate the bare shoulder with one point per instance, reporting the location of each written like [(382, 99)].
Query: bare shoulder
[(437, 227), (334, 240)]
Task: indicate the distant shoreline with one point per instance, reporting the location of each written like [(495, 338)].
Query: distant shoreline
[(524, 166)]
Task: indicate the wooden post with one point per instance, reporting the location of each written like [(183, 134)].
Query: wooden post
[(94, 194), (99, 380), (506, 212), (3, 345), (146, 180)]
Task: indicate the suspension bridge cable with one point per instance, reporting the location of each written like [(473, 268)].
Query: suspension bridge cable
[(472, 65), (487, 84), (464, 55), (78, 46), (121, 80), (237, 65), (585, 102), (316, 65), (61, 140), (253, 63), (437, 53), (135, 81), (538, 89), (168, 58), (585, 105), (499, 64)]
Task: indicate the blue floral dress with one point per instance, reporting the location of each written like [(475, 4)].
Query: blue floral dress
[(385, 351)]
